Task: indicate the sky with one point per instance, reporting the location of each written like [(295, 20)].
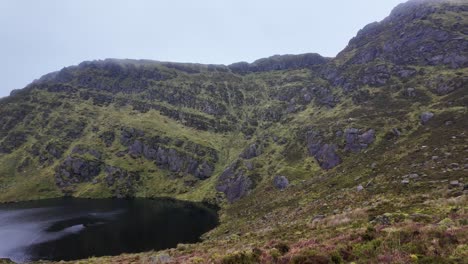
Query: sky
[(38, 37)]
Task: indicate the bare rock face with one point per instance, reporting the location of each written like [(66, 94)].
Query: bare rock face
[(196, 160), (324, 153), (233, 182), (413, 43), (76, 170), (279, 62)]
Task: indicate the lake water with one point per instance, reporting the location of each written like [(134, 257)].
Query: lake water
[(70, 228)]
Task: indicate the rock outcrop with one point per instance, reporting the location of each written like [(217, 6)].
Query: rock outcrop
[(279, 62), (76, 170), (174, 155), (324, 153), (356, 140), (233, 182)]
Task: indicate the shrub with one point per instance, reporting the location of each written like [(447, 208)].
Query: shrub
[(369, 234), (282, 247)]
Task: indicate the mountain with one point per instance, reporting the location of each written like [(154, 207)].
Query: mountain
[(361, 157)]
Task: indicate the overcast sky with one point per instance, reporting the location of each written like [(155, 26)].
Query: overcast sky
[(38, 37)]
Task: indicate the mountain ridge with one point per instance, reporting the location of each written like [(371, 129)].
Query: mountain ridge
[(282, 145)]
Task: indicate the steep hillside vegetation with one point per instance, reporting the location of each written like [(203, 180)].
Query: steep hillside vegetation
[(362, 157)]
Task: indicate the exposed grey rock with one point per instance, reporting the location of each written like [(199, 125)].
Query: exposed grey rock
[(454, 183), (443, 85), (410, 92), (318, 218), (233, 182), (327, 157), (405, 181), (76, 170), (280, 182), (359, 188), (205, 170), (396, 132), (325, 154), (278, 62), (254, 150), (454, 166), (136, 149), (128, 134), (82, 150), (195, 159), (404, 72), (355, 142), (425, 117)]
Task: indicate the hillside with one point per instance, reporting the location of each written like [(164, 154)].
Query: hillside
[(361, 157)]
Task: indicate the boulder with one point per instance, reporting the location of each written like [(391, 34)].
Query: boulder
[(425, 117), (327, 157), (280, 182), (454, 183)]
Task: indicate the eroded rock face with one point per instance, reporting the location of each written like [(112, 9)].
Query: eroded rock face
[(324, 153), (76, 170), (356, 141), (233, 182), (194, 159)]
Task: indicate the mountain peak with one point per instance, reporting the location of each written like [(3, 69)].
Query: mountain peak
[(416, 32)]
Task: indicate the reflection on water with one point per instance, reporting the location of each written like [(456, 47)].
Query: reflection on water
[(67, 229)]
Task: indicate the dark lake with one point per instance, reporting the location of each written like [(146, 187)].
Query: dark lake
[(70, 228)]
